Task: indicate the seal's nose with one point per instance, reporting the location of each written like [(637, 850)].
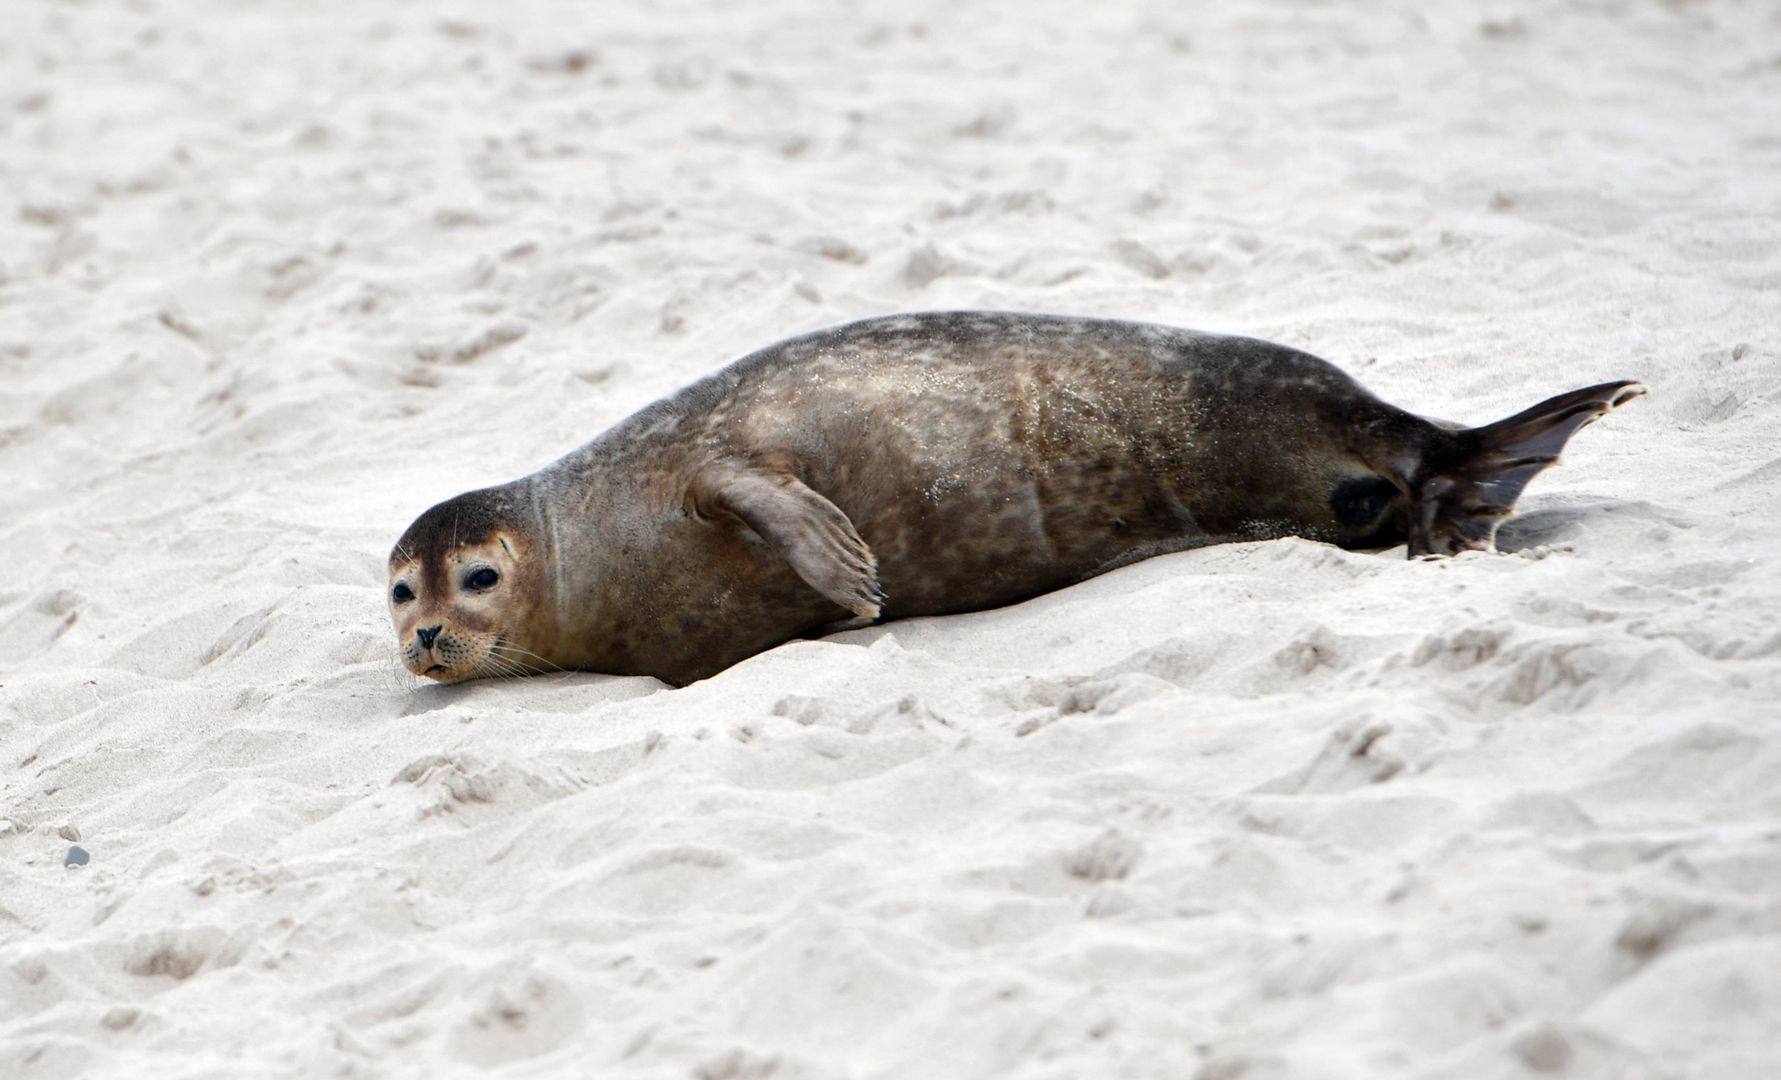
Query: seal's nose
[(427, 634)]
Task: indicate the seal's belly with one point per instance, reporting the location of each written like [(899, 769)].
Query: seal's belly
[(945, 548), (984, 471)]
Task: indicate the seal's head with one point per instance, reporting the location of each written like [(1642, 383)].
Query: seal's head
[(468, 588)]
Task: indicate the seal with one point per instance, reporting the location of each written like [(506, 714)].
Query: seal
[(928, 464)]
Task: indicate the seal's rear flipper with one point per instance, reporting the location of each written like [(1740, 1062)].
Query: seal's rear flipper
[(808, 531), (1464, 495)]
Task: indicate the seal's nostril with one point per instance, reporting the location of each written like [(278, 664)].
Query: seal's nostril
[(426, 635)]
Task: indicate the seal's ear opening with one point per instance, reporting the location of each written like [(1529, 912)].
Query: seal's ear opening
[(1467, 492)]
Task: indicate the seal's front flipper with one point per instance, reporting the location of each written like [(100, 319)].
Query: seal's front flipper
[(808, 531), (1466, 491)]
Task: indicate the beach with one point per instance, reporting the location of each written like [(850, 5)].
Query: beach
[(275, 279)]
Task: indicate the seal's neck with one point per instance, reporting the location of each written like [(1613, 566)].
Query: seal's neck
[(547, 525), (574, 521)]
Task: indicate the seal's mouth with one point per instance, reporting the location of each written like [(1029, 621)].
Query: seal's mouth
[(435, 667)]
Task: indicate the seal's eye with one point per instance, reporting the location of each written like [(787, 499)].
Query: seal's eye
[(482, 579), (401, 594)]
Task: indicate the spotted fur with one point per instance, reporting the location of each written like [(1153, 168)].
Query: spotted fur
[(935, 463)]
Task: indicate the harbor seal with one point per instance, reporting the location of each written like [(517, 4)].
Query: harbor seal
[(935, 463)]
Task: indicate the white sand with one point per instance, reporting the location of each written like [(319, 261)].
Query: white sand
[(274, 280)]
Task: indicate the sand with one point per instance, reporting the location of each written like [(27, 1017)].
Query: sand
[(274, 278)]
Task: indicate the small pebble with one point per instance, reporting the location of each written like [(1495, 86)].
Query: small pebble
[(119, 1017), (68, 833), (77, 856), (1544, 1049)]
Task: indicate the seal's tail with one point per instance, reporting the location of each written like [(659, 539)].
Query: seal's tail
[(1462, 498)]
